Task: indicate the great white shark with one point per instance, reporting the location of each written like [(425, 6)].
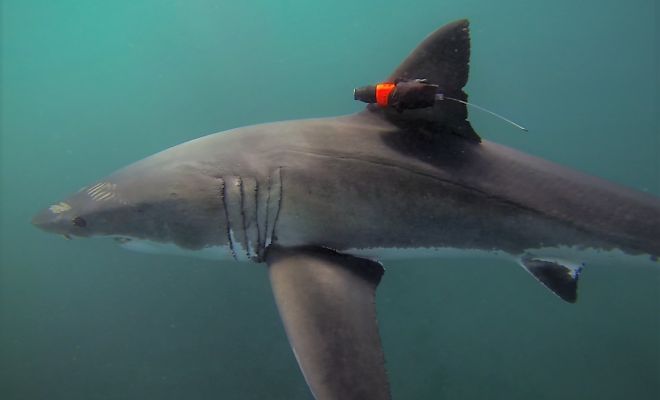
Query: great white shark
[(324, 201)]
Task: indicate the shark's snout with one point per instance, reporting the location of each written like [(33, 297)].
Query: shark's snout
[(60, 218), (43, 219), (55, 219)]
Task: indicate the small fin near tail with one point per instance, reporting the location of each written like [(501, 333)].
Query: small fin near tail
[(558, 276), (443, 59)]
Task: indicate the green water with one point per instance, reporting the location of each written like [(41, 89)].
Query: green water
[(89, 86)]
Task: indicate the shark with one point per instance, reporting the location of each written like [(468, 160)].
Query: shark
[(324, 203)]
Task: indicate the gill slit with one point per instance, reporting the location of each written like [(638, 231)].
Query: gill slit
[(223, 197), (279, 204), (245, 234), (256, 212), (268, 182)]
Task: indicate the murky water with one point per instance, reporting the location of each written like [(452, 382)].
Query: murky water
[(89, 86)]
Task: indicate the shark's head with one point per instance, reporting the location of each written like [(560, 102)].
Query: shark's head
[(198, 198), (155, 200), (82, 213)]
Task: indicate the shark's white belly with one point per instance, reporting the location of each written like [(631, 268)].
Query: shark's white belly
[(572, 255), (152, 247)]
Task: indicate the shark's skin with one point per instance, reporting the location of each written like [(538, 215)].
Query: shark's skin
[(355, 184), (320, 199)]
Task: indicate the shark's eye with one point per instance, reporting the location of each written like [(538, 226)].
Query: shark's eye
[(79, 222)]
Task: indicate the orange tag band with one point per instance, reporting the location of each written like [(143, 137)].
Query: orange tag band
[(383, 91)]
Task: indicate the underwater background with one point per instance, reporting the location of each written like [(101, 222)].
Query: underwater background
[(90, 86)]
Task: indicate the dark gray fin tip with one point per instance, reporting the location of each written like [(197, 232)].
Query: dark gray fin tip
[(369, 270), (561, 279), (443, 58)]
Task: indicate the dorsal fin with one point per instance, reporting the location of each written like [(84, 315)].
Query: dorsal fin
[(443, 59)]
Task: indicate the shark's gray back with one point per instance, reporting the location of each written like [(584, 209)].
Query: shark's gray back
[(442, 192)]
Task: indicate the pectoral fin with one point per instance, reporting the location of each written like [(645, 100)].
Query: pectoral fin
[(559, 276), (327, 303)]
